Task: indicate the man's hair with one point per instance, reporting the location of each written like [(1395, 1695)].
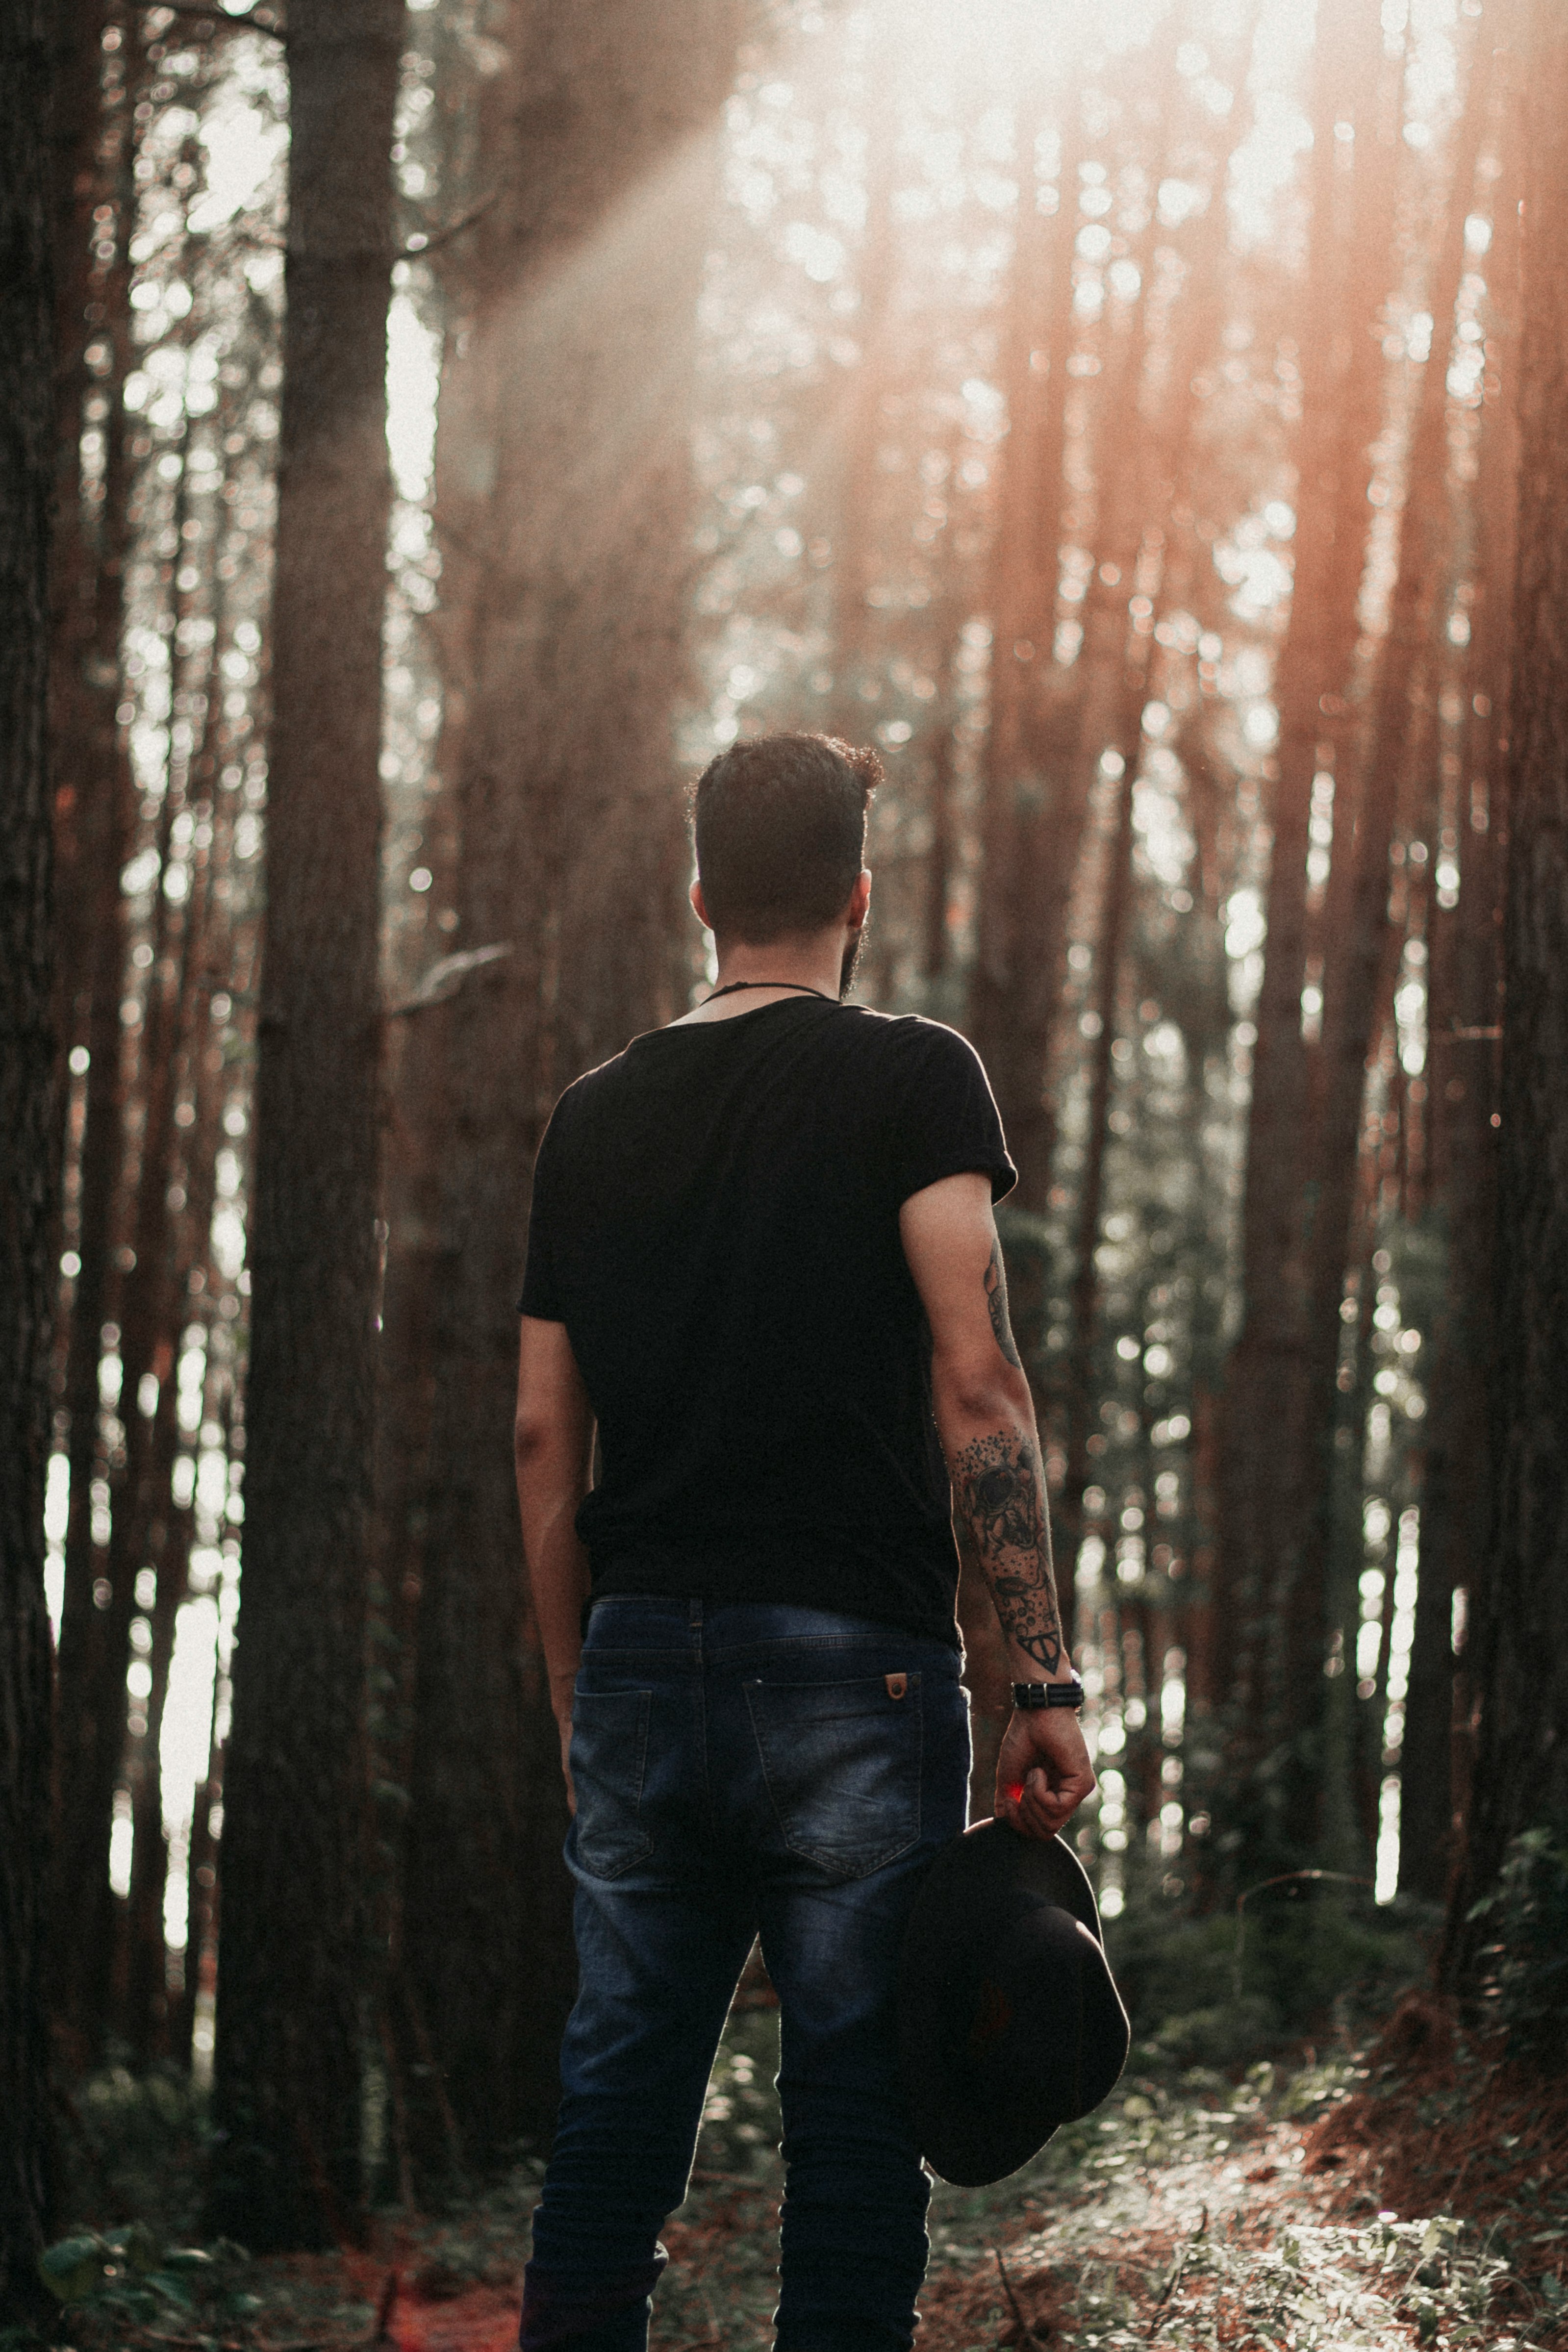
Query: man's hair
[(780, 826)]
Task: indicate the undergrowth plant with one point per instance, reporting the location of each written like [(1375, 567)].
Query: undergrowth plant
[(1524, 1961)]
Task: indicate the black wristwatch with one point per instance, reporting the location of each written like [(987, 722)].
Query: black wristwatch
[(1030, 1696)]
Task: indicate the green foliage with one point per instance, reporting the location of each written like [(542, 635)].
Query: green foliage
[(78, 2266), (138, 2146), (1524, 1964), (1308, 1961), (139, 2114), (1341, 2285), (741, 2125), (73, 2267), (138, 2282)]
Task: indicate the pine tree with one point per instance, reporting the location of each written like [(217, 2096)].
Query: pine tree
[(562, 491), (1356, 990), (1462, 1086), (95, 815), (28, 1143), (1519, 1667), (286, 2170)]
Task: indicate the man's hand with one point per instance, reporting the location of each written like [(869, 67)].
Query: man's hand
[(1043, 1773)]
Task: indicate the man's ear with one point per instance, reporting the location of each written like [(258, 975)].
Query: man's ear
[(700, 906), (860, 898)]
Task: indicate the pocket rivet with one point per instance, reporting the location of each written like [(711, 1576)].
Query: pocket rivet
[(897, 1685)]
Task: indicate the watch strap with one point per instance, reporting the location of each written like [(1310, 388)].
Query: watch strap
[(1029, 1697)]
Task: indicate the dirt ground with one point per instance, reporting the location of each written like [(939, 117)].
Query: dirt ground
[(1415, 2196)]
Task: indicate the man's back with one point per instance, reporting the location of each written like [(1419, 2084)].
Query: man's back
[(762, 1259), (716, 1223)]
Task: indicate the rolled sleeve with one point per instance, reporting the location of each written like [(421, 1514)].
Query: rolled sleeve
[(946, 1121)]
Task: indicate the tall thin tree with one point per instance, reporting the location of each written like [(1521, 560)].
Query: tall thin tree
[(1521, 1669), (1462, 1026), (28, 1151), (1034, 813), (95, 799), (563, 488), (1341, 371), (287, 2080), (1359, 983)]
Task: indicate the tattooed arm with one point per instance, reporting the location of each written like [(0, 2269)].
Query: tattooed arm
[(999, 1495), (986, 1418)]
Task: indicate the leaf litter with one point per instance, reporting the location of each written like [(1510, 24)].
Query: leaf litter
[(1281, 2213)]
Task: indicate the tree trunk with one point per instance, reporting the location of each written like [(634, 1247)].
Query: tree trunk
[(141, 1962), (1356, 976), (1520, 1637), (1261, 1423), (86, 1998), (943, 759), (94, 156), (856, 421), (95, 813), (1462, 1090), (29, 1146), (200, 1952), (1033, 808), (287, 2086), (1120, 632), (563, 486), (91, 1972), (406, 1482), (159, 1536)]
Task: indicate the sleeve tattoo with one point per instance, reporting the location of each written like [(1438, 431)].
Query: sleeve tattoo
[(996, 1300), (1000, 1493)]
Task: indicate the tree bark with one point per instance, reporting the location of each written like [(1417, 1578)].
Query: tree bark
[(563, 488), (1081, 1385), (406, 1481), (858, 426), (1520, 1637), (1357, 975), (85, 1998), (1462, 1090), (95, 812), (1119, 633), (943, 759), (286, 2171), (29, 1145), (160, 1536), (1034, 804), (1261, 1422)]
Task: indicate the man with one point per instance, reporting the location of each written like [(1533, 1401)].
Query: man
[(763, 1261)]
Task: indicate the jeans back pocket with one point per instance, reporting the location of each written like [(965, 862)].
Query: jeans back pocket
[(842, 1762), (609, 1757)]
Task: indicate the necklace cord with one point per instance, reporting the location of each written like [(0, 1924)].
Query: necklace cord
[(732, 987)]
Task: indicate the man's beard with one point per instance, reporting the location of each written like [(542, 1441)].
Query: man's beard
[(852, 947)]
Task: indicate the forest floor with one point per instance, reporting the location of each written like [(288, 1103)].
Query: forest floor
[(1415, 2195)]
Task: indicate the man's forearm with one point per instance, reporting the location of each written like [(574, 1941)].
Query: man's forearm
[(999, 1497), (549, 1492)]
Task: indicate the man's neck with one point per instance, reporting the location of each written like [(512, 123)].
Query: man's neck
[(764, 975)]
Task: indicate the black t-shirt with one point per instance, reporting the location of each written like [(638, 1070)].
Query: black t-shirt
[(716, 1222)]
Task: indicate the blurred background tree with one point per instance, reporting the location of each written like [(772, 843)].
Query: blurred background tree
[(29, 1158)]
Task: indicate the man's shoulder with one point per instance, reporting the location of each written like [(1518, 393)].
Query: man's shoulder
[(911, 1040), (586, 1094), (878, 1051)]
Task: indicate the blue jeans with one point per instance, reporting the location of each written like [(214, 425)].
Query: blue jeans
[(741, 1770)]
